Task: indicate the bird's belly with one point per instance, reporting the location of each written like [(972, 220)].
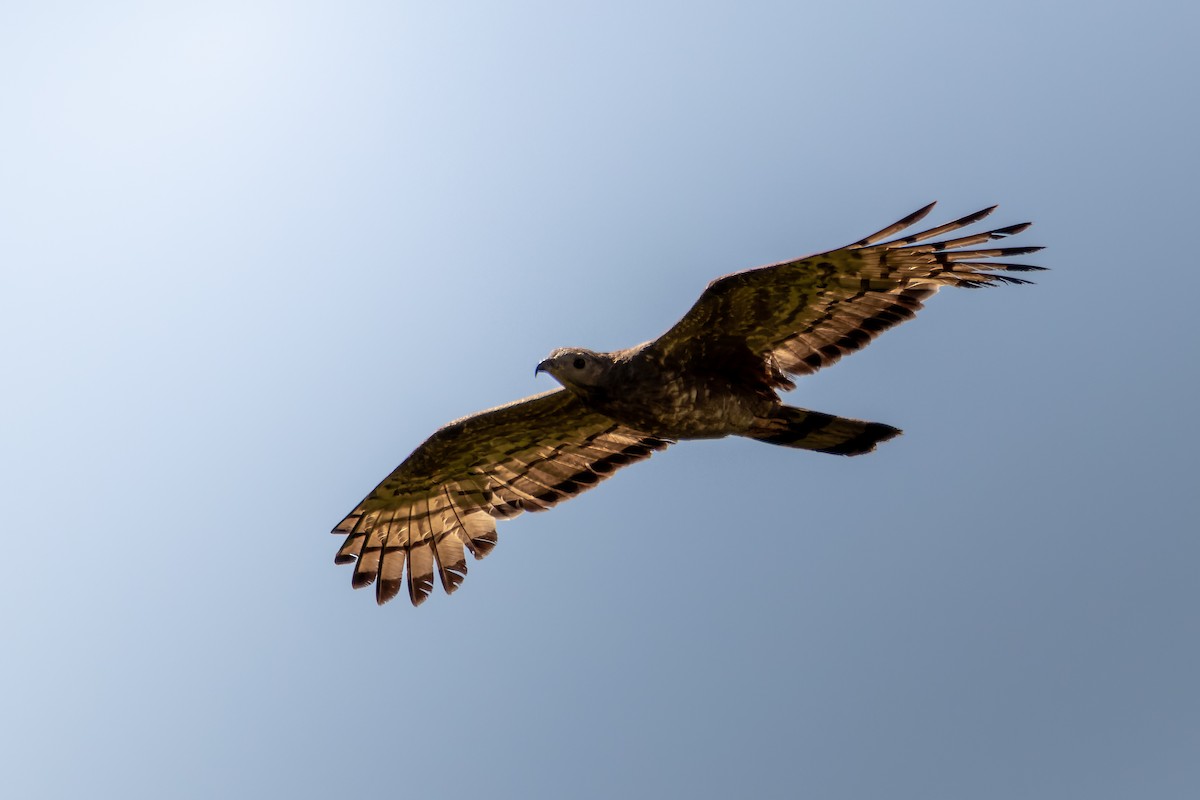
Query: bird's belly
[(686, 412)]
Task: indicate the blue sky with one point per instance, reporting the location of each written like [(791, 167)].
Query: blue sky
[(251, 254)]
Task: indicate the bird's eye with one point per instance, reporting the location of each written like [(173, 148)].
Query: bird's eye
[(578, 363)]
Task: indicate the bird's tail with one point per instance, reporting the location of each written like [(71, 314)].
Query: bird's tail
[(825, 433)]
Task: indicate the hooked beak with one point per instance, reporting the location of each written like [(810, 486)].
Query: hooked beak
[(542, 367)]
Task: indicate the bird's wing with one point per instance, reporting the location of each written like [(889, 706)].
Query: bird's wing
[(524, 456), (808, 313)]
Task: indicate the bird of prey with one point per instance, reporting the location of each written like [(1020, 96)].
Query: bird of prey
[(714, 374)]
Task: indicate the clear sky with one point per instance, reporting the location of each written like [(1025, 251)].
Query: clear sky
[(251, 254)]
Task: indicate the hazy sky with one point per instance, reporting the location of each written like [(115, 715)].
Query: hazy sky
[(251, 254)]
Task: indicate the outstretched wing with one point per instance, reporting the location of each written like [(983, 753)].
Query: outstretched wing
[(446, 496), (808, 313)]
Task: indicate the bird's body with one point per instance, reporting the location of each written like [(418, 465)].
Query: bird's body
[(671, 400), (715, 373), (727, 391)]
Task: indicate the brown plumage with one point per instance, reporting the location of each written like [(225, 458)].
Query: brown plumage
[(714, 374)]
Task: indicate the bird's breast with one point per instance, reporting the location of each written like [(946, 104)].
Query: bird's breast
[(682, 406)]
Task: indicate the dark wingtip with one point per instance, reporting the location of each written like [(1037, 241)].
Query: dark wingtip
[(385, 590), (895, 227), (419, 589), (1011, 230), (917, 215), (975, 217)]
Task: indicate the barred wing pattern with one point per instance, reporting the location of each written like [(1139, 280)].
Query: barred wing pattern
[(806, 314), (447, 495)]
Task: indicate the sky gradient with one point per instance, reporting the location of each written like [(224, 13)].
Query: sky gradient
[(251, 254)]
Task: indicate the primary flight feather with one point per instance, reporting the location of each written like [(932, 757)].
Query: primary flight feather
[(714, 374)]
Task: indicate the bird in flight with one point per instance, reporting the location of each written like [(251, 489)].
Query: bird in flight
[(715, 373)]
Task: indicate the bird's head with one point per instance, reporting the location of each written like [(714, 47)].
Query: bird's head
[(575, 367)]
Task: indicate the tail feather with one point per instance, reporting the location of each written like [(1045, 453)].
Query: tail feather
[(824, 433)]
